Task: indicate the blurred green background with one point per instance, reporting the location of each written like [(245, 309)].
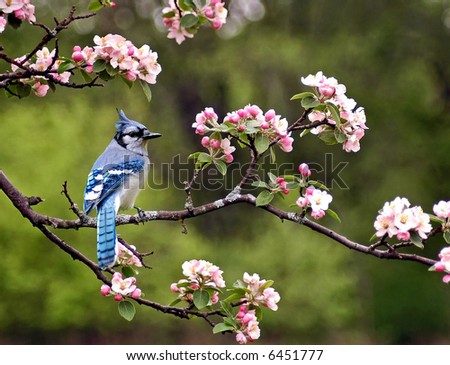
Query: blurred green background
[(393, 56)]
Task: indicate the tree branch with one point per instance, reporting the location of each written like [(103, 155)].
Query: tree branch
[(235, 197)]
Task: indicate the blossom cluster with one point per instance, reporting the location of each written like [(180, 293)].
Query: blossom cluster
[(122, 55), (351, 125), (443, 265), (397, 218), (44, 61), (126, 257), (315, 199), (258, 292), (311, 197), (200, 274), (112, 54), (183, 20), (20, 9), (249, 120), (252, 119), (121, 287)]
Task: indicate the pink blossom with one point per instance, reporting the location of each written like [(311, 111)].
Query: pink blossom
[(446, 279), (318, 214), (227, 147), (304, 170), (177, 32), (302, 202), (105, 290), (271, 298), (442, 209), (136, 293), (126, 256), (241, 338), (319, 200), (118, 297), (214, 143), (285, 143), (40, 89), (3, 23), (122, 286), (397, 218), (444, 257), (8, 6), (44, 59), (384, 224), (205, 142), (253, 330)]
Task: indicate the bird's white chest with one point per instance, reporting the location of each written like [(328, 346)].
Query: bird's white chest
[(131, 188)]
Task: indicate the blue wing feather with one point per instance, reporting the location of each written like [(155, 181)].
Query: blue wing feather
[(103, 181)]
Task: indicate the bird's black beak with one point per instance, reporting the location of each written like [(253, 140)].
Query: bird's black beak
[(150, 135)]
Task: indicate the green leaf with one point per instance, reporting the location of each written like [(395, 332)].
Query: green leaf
[(303, 95), (65, 66), (111, 70), (189, 21), (272, 177), (434, 218), (373, 238), (264, 198), (260, 184), (234, 296), (221, 166), (104, 75), (23, 90), (194, 156), (305, 132), (310, 102), (201, 298), (333, 215), (13, 21), (86, 76), (169, 14), (222, 327), (239, 284), (273, 156), (318, 184), (334, 110), (416, 240), (146, 88), (447, 236), (128, 271), (227, 308), (95, 5), (261, 143), (127, 310), (204, 157), (129, 83), (258, 313), (266, 285), (185, 4), (99, 65), (175, 302), (340, 136), (328, 136)]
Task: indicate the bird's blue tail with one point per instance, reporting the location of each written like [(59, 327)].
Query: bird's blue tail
[(106, 233)]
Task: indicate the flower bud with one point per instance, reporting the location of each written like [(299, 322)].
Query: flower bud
[(327, 90), (205, 142), (118, 297), (214, 143), (105, 290), (304, 170), (136, 293)]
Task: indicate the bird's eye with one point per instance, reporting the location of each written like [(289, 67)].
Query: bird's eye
[(134, 134)]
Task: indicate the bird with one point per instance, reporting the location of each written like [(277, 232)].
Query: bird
[(114, 182)]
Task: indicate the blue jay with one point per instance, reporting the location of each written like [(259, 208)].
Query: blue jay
[(115, 181)]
